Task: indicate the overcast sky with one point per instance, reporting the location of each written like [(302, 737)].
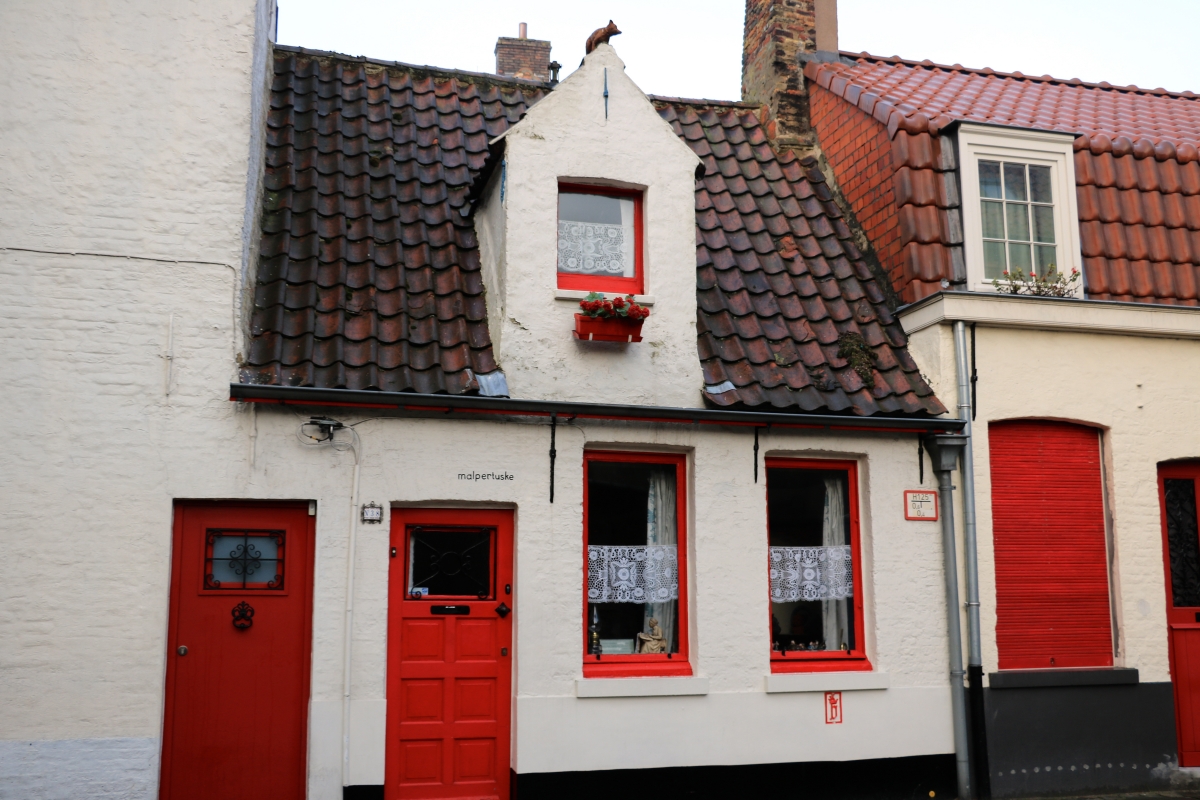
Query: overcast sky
[(692, 48)]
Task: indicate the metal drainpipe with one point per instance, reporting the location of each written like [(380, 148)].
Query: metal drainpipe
[(944, 451), (348, 643), (971, 556)]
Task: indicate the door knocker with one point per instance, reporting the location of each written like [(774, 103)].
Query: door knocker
[(243, 615)]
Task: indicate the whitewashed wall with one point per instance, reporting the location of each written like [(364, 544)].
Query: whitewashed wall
[(128, 159), (569, 136), (1138, 383)]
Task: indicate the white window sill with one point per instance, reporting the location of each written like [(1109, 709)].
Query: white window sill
[(578, 294), (827, 681), (640, 687)]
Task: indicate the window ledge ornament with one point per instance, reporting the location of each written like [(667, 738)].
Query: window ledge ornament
[(811, 573), (645, 574)]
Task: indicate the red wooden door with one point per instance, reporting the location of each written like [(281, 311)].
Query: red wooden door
[(1181, 556), (236, 723), (449, 654), (1048, 532)]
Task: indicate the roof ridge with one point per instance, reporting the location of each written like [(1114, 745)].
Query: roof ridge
[(991, 73), (425, 68), (699, 101)]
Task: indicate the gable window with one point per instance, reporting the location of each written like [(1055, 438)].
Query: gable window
[(600, 239), (634, 604), (814, 566), (1019, 209)]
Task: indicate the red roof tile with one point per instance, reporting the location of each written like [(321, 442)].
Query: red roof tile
[(369, 273), (1136, 165)]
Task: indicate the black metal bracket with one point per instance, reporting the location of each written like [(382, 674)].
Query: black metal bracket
[(756, 455), (921, 459), (553, 452)]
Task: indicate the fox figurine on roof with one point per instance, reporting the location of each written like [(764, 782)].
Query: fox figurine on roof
[(600, 36)]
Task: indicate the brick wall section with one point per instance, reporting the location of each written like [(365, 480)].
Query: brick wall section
[(859, 150), (523, 58), (776, 33)]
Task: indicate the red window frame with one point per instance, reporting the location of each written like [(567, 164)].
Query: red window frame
[(592, 283), (654, 664), (828, 660)]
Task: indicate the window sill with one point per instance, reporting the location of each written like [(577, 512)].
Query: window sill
[(575, 295), (635, 669), (827, 682), (1046, 678), (641, 687), (800, 663)]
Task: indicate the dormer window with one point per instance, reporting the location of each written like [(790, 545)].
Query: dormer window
[(1019, 208), (600, 239), (1017, 205)]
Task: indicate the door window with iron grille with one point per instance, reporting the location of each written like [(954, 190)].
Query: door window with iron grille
[(243, 559), (451, 562)]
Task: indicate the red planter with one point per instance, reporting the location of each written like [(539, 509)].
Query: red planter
[(611, 329)]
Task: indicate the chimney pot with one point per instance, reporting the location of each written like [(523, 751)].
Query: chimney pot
[(523, 31)]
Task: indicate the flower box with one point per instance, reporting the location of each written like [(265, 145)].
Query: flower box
[(608, 329)]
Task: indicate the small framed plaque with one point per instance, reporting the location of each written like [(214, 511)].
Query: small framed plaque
[(921, 505)]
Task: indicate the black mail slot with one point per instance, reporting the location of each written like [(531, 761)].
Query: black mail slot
[(455, 610)]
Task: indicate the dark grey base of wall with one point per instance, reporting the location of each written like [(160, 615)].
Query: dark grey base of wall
[(879, 779), (1075, 739), (915, 778)]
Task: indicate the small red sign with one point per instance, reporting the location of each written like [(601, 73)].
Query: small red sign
[(833, 708), (920, 504)]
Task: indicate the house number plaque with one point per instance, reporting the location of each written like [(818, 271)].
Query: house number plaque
[(921, 505)]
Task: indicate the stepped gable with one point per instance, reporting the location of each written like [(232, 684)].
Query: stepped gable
[(369, 274), (1137, 167), (782, 289)]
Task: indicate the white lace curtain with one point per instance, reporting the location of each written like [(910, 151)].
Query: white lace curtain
[(637, 574), (810, 573)]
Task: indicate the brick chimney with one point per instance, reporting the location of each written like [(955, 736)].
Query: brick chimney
[(523, 57), (777, 35)]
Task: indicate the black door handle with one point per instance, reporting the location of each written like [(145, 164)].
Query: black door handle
[(503, 610)]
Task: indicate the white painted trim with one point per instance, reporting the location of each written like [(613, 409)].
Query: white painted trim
[(827, 681), (1029, 147), (640, 687), (575, 295), (1046, 313)]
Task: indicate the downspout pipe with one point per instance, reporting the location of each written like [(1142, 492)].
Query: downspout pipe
[(945, 451), (348, 642), (971, 557)]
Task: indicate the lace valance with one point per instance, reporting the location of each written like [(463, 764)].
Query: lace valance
[(592, 248), (811, 573), (646, 574)]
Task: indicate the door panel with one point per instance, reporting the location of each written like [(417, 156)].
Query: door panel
[(236, 717), (1181, 557), (449, 654)]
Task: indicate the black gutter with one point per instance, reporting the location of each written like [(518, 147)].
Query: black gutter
[(432, 403)]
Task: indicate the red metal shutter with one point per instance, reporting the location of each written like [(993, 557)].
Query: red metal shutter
[(1052, 604)]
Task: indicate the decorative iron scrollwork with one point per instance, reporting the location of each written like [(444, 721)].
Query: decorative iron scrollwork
[(243, 615)]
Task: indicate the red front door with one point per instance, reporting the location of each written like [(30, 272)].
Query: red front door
[(1177, 486), (449, 654), (236, 722)]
